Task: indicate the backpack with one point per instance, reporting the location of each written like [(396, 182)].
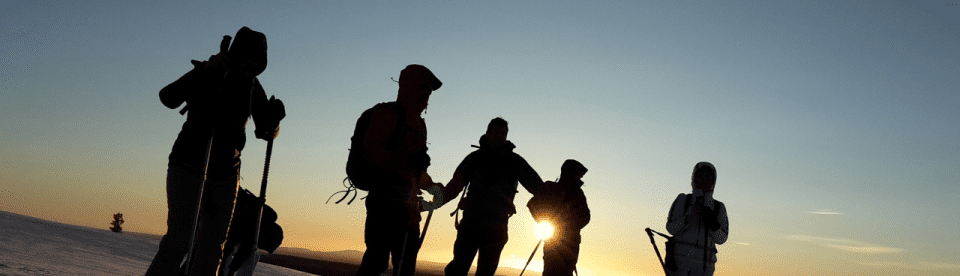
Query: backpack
[(671, 244), (484, 157), (244, 221), (542, 207), (361, 175)]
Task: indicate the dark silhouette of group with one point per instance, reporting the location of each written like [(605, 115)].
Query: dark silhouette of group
[(388, 159)]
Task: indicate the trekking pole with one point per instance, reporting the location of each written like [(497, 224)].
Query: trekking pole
[(403, 253), (263, 195), (423, 235), (531, 257), (426, 225), (706, 233), (652, 241), (196, 215)]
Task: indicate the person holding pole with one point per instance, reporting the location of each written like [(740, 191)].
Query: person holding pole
[(698, 222), (394, 143), (204, 165), (492, 173)]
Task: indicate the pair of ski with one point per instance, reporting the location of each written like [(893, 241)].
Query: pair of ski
[(262, 202)]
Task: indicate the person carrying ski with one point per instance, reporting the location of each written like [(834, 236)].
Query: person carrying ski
[(491, 173), (698, 222), (564, 205), (221, 94), (399, 160)]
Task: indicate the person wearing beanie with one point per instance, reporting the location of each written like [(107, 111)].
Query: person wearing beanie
[(220, 95), (698, 222), (399, 171), (492, 174)]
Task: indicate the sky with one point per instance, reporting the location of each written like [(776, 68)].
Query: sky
[(832, 124)]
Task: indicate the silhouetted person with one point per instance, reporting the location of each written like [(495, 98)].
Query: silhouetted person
[(221, 94), (393, 208), (693, 214), (492, 173), (564, 205)]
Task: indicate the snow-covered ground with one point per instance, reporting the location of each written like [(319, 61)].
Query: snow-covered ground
[(31, 246)]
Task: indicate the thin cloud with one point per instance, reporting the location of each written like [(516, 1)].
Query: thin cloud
[(845, 244), (824, 212), (916, 265)]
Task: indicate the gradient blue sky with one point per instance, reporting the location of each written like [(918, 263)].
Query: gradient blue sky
[(833, 124)]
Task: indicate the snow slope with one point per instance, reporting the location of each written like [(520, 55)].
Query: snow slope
[(32, 246)]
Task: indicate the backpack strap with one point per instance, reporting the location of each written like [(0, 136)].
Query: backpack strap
[(394, 142), (686, 204), (456, 219)]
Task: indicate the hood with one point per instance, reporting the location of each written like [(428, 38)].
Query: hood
[(507, 146), (250, 45)]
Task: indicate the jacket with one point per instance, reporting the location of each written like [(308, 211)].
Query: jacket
[(684, 224), (493, 175), (216, 106)]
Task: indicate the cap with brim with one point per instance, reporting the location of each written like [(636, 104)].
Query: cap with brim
[(572, 166), (419, 74)]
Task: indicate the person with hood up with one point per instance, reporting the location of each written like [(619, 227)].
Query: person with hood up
[(490, 175), (698, 222), (564, 205), (221, 94)]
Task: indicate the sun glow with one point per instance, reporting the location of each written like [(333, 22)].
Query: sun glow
[(542, 230)]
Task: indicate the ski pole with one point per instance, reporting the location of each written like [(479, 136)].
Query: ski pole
[(196, 215), (706, 233), (403, 253), (263, 195), (652, 241), (426, 225), (423, 236), (531, 257)]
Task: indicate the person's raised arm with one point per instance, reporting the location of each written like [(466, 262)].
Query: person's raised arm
[(266, 113), (528, 177), (459, 180)]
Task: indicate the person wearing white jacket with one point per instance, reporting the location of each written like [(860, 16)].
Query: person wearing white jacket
[(698, 223)]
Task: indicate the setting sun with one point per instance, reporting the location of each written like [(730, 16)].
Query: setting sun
[(542, 230)]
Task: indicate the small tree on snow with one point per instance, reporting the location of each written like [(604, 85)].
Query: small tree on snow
[(117, 221)]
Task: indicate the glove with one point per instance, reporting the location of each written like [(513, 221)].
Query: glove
[(275, 111), (437, 191), (711, 219)]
